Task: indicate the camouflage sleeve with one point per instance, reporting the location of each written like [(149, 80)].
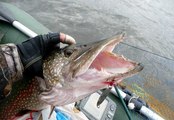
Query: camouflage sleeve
[(11, 68)]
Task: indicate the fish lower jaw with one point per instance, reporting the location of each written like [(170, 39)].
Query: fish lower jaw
[(104, 76)]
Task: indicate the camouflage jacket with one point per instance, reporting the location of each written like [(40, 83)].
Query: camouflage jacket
[(11, 68)]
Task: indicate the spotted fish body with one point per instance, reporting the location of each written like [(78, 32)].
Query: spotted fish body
[(52, 68), (22, 98), (25, 95), (70, 74)]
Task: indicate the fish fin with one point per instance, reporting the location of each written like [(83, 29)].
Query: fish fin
[(51, 111)]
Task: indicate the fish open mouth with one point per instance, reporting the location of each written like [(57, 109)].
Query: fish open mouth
[(97, 61)]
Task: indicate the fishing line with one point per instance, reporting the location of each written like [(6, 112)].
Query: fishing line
[(147, 51)]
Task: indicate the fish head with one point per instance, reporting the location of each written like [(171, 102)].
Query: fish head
[(96, 63), (87, 68)]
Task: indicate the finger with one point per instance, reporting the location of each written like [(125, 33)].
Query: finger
[(67, 39), (70, 40)]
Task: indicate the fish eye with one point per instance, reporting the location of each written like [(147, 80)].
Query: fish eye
[(68, 52)]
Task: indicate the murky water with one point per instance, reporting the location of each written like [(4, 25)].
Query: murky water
[(149, 25)]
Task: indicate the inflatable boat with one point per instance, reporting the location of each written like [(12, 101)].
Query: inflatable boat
[(17, 26)]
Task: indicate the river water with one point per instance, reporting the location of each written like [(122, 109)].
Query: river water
[(149, 26)]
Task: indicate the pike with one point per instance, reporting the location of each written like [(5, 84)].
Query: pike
[(72, 73)]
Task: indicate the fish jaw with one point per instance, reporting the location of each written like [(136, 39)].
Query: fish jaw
[(96, 60)]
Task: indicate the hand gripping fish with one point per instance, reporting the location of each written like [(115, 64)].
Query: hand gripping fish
[(72, 73)]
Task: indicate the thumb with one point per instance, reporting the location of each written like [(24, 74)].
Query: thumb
[(64, 38), (69, 40)]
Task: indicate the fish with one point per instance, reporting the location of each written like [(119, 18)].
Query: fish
[(71, 74)]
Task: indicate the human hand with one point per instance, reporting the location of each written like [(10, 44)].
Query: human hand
[(64, 38)]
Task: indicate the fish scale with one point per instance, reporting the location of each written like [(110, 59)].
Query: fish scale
[(52, 68), (24, 98)]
